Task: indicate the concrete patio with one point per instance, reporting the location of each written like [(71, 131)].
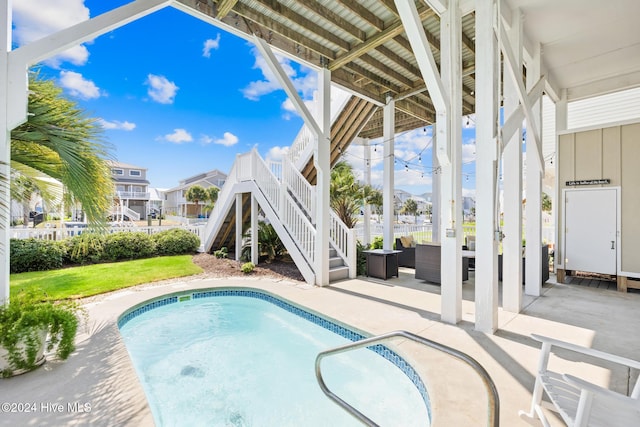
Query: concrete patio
[(100, 374)]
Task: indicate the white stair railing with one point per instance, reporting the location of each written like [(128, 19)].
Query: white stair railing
[(304, 192), (292, 218), (123, 210), (301, 147), (344, 242)]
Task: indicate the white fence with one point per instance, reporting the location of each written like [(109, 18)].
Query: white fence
[(66, 232), (423, 233)]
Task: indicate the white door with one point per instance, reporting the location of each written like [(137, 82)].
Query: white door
[(590, 230)]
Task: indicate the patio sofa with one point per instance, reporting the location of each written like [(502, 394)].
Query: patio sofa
[(544, 267), (406, 258), (427, 263)]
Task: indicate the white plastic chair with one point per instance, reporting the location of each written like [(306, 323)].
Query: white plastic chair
[(581, 403)]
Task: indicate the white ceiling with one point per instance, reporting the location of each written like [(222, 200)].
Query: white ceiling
[(589, 47)]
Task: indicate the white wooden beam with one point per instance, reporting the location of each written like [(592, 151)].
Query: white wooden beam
[(367, 180), (512, 70), (438, 6), (512, 182), (5, 152), (514, 120), (533, 207), (451, 185), (322, 163), (388, 138), (487, 82), (428, 68), (287, 85), (255, 248), (238, 226)]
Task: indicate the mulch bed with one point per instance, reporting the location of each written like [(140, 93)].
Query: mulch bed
[(223, 267)]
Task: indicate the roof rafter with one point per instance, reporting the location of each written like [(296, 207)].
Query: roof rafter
[(394, 29)]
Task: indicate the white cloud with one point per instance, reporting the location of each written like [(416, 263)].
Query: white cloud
[(206, 139), (117, 125), (468, 153), (305, 82), (78, 86), (161, 89), (277, 153), (227, 140), (35, 19), (179, 136), (209, 45), (290, 109)]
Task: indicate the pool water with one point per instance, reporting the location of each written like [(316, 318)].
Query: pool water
[(241, 361)]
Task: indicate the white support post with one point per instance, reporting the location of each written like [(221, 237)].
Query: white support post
[(435, 191), (512, 184), (533, 208), (323, 167), (366, 229), (562, 117), (238, 226), (5, 152), (451, 185), (255, 254), (388, 138), (487, 83)]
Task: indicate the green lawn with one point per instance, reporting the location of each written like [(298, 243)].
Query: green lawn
[(79, 282)]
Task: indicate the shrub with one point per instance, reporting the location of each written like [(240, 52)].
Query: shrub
[(377, 243), (35, 255), (361, 258), (128, 245), (24, 320), (247, 267), (223, 252), (175, 242), (85, 248)]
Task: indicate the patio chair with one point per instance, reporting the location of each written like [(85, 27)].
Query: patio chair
[(581, 403)]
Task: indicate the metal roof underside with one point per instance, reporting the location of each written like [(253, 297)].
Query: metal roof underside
[(588, 47)]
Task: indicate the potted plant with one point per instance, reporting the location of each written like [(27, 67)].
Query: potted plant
[(28, 325)]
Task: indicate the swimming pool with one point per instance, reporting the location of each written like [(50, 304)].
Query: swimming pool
[(239, 357)]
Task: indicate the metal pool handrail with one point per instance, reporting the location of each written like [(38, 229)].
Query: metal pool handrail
[(493, 404)]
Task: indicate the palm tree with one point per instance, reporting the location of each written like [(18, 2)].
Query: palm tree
[(410, 207), (59, 141), (195, 194), (345, 193), (212, 198)]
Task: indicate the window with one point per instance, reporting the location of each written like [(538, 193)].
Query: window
[(137, 188), (117, 171), (135, 172)]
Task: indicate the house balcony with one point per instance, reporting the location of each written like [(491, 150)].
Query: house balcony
[(135, 195)]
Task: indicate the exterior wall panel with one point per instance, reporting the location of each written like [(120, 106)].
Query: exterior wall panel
[(630, 216)]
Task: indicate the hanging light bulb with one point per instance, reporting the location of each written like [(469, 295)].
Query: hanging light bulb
[(375, 148), (420, 158), (406, 167)]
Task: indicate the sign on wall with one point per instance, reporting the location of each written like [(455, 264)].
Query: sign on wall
[(588, 182)]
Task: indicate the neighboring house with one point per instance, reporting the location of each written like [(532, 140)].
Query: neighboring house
[(156, 200), (175, 202), (131, 187)]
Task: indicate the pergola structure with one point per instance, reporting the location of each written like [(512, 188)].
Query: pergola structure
[(419, 62)]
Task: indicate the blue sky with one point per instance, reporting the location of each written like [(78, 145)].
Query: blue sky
[(179, 96)]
